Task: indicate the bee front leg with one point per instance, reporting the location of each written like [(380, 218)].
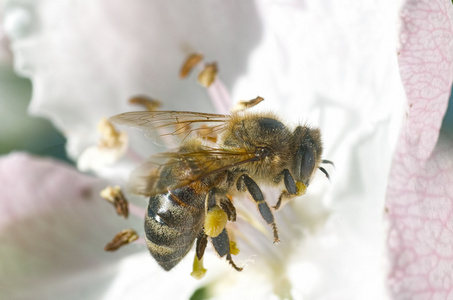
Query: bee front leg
[(245, 182), (221, 245), (293, 188)]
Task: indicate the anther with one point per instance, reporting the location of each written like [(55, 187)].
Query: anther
[(189, 64), (122, 238), (208, 75), (115, 196), (149, 103), (243, 105)]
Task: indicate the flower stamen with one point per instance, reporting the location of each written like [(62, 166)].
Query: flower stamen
[(209, 79), (111, 146), (110, 137)]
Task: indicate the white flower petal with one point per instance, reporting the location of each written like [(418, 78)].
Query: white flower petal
[(112, 145), (94, 158), (334, 66), (87, 58)]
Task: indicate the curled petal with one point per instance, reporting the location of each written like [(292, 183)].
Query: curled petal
[(419, 195)]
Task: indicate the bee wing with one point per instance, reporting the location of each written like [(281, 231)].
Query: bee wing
[(171, 170), (160, 125)]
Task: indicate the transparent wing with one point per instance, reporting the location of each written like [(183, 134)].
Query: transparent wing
[(171, 170), (161, 125)]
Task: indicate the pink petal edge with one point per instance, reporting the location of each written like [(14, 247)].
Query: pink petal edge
[(53, 228), (420, 191)]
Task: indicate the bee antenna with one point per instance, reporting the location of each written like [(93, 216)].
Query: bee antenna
[(325, 172), (326, 161)]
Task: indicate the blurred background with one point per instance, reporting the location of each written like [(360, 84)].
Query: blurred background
[(447, 124), (18, 130)]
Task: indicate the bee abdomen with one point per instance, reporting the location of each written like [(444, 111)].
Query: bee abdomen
[(172, 223)]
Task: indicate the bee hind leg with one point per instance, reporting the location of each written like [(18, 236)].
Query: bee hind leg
[(219, 210), (218, 197), (198, 269), (202, 240), (222, 246), (227, 206), (230, 260)]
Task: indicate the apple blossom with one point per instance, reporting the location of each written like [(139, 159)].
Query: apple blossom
[(332, 65)]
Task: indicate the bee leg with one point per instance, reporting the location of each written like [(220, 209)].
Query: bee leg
[(221, 245), (202, 240), (227, 206), (216, 217), (217, 197), (281, 199), (198, 269), (245, 182), (291, 189)]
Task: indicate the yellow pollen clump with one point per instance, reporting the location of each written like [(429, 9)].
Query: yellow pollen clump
[(233, 248), (301, 188), (215, 221)]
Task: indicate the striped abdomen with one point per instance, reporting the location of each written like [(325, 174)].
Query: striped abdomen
[(172, 223)]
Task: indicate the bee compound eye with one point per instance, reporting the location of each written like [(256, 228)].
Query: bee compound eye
[(306, 161)]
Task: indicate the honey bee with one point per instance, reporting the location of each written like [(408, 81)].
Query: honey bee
[(219, 157)]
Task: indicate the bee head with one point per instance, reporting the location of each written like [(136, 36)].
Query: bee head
[(308, 147)]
